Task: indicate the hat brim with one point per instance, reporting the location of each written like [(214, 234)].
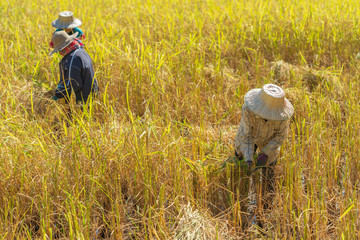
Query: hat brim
[(65, 44), (256, 104), (58, 24)]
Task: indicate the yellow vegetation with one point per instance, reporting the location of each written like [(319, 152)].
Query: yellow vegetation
[(147, 154)]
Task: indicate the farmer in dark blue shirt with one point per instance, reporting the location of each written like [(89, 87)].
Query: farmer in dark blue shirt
[(76, 70)]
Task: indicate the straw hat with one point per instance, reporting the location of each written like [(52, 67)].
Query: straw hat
[(269, 102), (66, 20), (61, 39)]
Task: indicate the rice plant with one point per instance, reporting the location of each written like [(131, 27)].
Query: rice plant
[(144, 159)]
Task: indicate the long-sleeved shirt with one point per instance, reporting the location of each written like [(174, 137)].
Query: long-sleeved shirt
[(76, 74), (268, 135)]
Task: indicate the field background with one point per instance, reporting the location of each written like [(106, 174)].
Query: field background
[(144, 161)]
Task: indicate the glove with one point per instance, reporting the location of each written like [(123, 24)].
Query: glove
[(49, 94), (249, 165), (238, 157), (261, 160)]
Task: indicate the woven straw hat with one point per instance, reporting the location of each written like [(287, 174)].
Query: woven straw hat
[(269, 102), (66, 20), (61, 39)]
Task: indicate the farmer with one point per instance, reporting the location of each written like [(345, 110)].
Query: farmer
[(68, 23), (264, 124), (76, 70)]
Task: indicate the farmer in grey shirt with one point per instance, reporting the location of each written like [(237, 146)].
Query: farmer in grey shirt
[(76, 70), (264, 124)]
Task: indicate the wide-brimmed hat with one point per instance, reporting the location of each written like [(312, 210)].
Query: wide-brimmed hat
[(269, 102), (61, 39), (66, 20)]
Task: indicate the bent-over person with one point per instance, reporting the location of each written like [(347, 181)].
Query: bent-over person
[(264, 125), (76, 69)]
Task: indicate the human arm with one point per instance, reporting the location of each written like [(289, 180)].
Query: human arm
[(244, 140), (81, 34), (70, 79)]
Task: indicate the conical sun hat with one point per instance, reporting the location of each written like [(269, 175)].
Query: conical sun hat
[(66, 20), (61, 39), (269, 102)]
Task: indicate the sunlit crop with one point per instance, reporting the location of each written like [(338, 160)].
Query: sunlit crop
[(144, 160)]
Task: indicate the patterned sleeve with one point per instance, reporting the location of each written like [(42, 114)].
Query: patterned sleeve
[(278, 138), (244, 141)]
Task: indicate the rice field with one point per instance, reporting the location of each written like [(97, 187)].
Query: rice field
[(144, 160)]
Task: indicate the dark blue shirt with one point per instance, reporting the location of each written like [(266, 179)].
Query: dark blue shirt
[(76, 74)]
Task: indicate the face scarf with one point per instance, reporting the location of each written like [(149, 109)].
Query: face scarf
[(72, 46)]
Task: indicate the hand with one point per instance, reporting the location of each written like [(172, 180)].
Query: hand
[(238, 157), (261, 160), (249, 164), (49, 94)]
